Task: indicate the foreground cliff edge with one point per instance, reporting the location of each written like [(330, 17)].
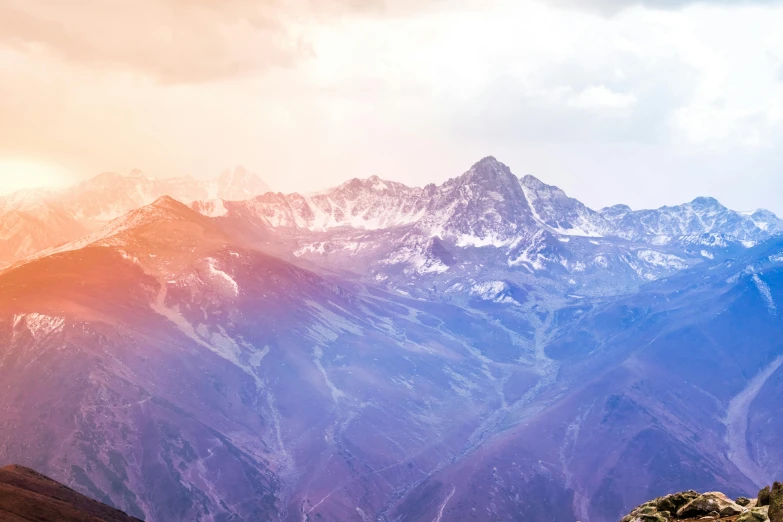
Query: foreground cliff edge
[(27, 495), (690, 505)]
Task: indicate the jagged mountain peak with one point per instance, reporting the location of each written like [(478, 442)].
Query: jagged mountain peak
[(165, 224), (372, 184), (136, 174), (488, 171), (237, 171), (238, 184), (616, 208), (109, 195), (531, 181), (559, 212), (706, 201), (163, 209), (23, 200), (167, 202), (115, 177), (489, 161)]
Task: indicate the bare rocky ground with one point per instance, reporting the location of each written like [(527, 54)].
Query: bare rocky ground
[(689, 506)]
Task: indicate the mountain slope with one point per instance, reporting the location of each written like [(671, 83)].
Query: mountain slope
[(228, 383), (30, 222), (675, 386), (27, 495), (190, 376)]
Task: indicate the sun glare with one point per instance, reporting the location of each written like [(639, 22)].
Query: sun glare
[(17, 174)]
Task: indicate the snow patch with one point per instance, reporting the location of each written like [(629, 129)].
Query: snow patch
[(215, 271), (467, 240), (318, 360), (213, 208), (39, 325), (492, 291), (662, 260), (763, 289), (776, 258)]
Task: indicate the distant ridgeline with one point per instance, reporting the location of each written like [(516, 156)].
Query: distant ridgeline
[(690, 505)]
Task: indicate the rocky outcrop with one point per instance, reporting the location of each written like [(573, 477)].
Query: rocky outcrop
[(763, 498), (756, 514), (690, 505), (776, 503), (710, 503)]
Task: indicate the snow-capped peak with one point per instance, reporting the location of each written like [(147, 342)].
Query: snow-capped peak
[(488, 204), (237, 185)]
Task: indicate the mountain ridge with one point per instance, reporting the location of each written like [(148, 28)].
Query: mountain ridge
[(35, 220), (488, 219)]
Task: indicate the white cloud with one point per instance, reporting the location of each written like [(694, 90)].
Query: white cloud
[(598, 97)]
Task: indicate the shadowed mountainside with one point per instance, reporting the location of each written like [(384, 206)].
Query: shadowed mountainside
[(26, 495)]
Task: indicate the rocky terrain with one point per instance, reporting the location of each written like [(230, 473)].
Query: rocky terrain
[(691, 506), (29, 496)]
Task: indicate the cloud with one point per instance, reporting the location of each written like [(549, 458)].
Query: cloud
[(598, 97), (310, 92), (614, 6), (176, 41)]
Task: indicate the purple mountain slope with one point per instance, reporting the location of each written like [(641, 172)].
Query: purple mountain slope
[(191, 376)]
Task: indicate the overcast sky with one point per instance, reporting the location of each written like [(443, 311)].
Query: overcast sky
[(645, 103)]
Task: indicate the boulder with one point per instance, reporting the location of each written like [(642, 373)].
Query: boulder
[(754, 515), (647, 512), (743, 501), (707, 503), (763, 498), (674, 502), (776, 503), (653, 517)]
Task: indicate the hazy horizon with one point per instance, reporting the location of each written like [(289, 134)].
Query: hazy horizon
[(66, 181)]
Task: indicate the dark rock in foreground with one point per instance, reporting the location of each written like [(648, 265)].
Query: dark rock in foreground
[(690, 505), (28, 495), (776, 503)]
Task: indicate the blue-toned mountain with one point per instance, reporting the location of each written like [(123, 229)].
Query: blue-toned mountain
[(488, 226)]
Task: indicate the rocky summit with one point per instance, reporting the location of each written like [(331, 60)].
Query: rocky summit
[(690, 505)]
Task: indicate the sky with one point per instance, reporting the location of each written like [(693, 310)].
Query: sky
[(615, 101)]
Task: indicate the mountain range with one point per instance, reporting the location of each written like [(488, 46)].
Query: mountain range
[(484, 349), (33, 220)]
